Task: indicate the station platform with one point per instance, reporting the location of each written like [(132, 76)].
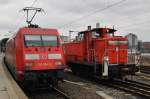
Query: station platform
[(8, 87)]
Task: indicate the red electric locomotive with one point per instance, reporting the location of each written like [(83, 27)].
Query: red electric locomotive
[(35, 54), (100, 53)]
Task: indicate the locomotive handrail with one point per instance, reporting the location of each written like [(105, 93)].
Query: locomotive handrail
[(93, 58)]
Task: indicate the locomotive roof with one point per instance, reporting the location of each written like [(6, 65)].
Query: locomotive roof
[(38, 30), (99, 30)]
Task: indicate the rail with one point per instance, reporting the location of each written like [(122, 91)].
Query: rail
[(145, 69), (134, 87), (61, 93)]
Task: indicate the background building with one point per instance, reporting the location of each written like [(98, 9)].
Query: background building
[(132, 42)]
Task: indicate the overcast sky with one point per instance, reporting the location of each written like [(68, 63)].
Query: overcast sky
[(128, 16)]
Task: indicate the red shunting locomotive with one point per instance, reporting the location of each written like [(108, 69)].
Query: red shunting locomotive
[(98, 52)]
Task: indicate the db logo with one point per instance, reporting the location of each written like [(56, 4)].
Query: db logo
[(43, 56)]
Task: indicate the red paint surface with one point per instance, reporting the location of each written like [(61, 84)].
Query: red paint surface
[(16, 50)]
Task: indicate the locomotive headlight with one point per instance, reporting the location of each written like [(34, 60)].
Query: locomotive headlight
[(58, 63), (54, 56), (28, 64), (32, 56)]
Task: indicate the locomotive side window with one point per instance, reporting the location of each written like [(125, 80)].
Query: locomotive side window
[(95, 34), (80, 37), (33, 40), (49, 40)]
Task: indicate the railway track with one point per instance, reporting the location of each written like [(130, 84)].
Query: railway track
[(133, 87), (47, 93), (62, 93), (129, 86), (145, 69)]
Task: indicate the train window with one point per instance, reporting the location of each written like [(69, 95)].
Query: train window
[(33, 40), (49, 40), (110, 35), (79, 37), (95, 34)]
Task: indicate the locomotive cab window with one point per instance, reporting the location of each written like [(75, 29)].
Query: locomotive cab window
[(41, 40), (49, 40), (79, 37), (33, 40), (95, 34), (110, 34)]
